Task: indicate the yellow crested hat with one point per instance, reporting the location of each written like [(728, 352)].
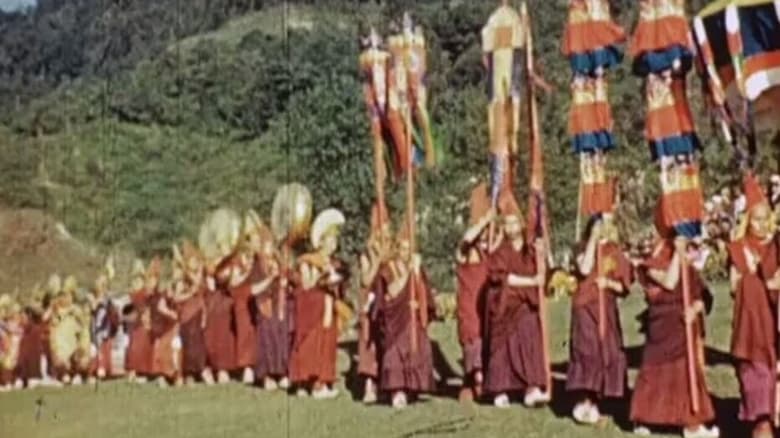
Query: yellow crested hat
[(70, 285), (330, 220), (54, 284)]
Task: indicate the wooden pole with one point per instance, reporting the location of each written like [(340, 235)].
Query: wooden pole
[(602, 303), (691, 336), (410, 223), (536, 184)]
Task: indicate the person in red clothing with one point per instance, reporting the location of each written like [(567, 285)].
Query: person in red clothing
[(662, 392), (472, 275), (138, 359), (597, 364), (515, 349), (405, 305), (375, 255), (753, 260), (323, 280)]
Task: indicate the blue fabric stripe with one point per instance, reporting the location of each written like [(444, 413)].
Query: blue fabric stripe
[(592, 142), (689, 230), (662, 60), (760, 29), (671, 146), (587, 63)]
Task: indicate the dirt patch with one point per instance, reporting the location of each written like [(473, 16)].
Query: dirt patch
[(34, 246)]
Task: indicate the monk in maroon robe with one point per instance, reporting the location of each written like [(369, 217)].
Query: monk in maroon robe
[(31, 348), (472, 276), (322, 281), (191, 311), (662, 392), (218, 334), (404, 305), (515, 358), (754, 258), (138, 360), (376, 254), (597, 363), (165, 330), (241, 291)]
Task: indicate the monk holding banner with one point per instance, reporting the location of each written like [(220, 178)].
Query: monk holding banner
[(516, 360), (472, 276), (597, 363), (666, 393), (753, 258), (406, 367)]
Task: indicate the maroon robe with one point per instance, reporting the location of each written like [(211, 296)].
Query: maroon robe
[(246, 342), (164, 330), (401, 368), (472, 278), (139, 349), (31, 348), (193, 344), (662, 391), (273, 342), (515, 350), (314, 352), (595, 366), (754, 330), (218, 334)]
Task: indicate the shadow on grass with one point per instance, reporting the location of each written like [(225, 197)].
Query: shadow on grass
[(726, 409), (445, 372)]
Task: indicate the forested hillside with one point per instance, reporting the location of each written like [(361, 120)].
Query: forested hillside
[(128, 120)]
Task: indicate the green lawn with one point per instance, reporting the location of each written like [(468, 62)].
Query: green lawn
[(120, 410)]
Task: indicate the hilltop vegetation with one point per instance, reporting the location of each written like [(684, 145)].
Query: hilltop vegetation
[(129, 121)]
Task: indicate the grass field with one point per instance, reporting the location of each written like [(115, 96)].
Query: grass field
[(121, 410)]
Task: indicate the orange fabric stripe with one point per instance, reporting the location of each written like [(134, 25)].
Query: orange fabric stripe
[(763, 61), (659, 34)]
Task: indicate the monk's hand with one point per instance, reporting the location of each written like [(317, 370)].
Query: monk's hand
[(603, 283), (692, 312), (416, 263), (414, 304), (681, 245)]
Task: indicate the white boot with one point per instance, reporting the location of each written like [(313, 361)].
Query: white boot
[(702, 432), (399, 400), (586, 413), (501, 401), (284, 383), (223, 377), (535, 397), (641, 431), (269, 384), (369, 394), (248, 377)]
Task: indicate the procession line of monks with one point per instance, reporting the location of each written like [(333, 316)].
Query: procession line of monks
[(249, 313)]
